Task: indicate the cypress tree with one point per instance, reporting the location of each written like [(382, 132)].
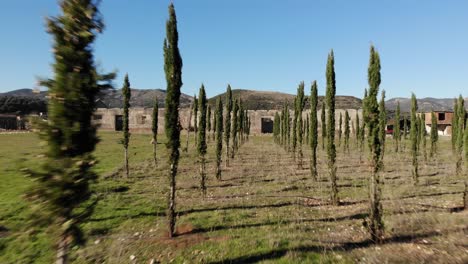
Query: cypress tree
[(240, 126), (373, 120), (454, 125), (323, 125), (313, 130), (276, 127), (340, 129), (423, 135), (414, 138), (219, 137), (201, 142), (331, 150), (195, 119), (346, 132), (62, 185), (281, 116), (294, 129), (227, 123), (189, 125), (300, 132), (396, 128), (154, 128), (307, 129), (405, 127), (214, 123), (208, 121), (288, 128), (358, 129), (460, 133), (465, 193), (382, 124), (173, 70), (234, 125), (434, 134), (126, 134)]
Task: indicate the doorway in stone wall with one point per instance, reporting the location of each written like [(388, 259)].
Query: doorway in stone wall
[(118, 123), (267, 125)]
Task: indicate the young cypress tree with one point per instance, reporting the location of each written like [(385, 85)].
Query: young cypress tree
[(240, 126), (396, 128), (405, 127), (213, 127), (281, 116), (126, 134), (294, 129), (189, 126), (465, 193), (208, 121), (313, 130), (173, 70), (154, 129), (422, 131), (288, 128), (307, 129), (340, 129), (300, 132), (382, 124), (414, 138), (201, 142), (331, 150), (460, 133), (454, 125), (323, 125), (276, 127), (346, 132), (358, 130), (434, 134), (61, 186), (195, 119), (227, 123), (234, 125), (372, 111), (219, 137)]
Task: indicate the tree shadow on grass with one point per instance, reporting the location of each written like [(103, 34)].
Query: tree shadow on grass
[(198, 210), (331, 246)]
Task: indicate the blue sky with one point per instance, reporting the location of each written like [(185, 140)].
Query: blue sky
[(259, 44)]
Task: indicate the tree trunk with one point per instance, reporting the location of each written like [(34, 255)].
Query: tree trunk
[(62, 251), (313, 165), (171, 200), (126, 162), (154, 153), (202, 175)]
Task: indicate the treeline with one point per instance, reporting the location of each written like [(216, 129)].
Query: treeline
[(22, 105)]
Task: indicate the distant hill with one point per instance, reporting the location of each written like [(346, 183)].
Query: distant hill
[(267, 100), (424, 104), (28, 100)]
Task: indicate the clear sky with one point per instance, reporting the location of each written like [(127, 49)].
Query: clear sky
[(259, 44)]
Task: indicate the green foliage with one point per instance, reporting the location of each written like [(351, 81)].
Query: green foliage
[(373, 119), (173, 70), (126, 133), (62, 185), (313, 129), (382, 124), (22, 104), (331, 149), (460, 133), (234, 127), (300, 100), (396, 128), (227, 123), (208, 118), (219, 136), (276, 127), (454, 124), (346, 131), (323, 124), (434, 134), (414, 138), (340, 129), (422, 132), (201, 142), (154, 128)]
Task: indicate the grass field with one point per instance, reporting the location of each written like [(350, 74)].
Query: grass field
[(263, 209)]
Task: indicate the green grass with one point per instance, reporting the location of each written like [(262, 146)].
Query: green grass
[(264, 210)]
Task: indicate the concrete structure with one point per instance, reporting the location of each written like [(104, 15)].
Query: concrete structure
[(140, 119), (444, 122)]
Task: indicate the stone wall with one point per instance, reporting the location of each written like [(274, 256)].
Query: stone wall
[(140, 119)]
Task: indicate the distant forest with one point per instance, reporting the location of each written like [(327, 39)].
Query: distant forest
[(21, 105)]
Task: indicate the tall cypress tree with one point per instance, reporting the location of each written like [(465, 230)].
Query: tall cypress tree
[(396, 128), (288, 127), (358, 130), (331, 149), (382, 124), (346, 131), (234, 125), (414, 138), (61, 186), (307, 129), (154, 128), (201, 142), (126, 133), (189, 125), (294, 129), (219, 136), (434, 134), (195, 119), (323, 125), (300, 132), (405, 127), (313, 130), (422, 132), (372, 119), (276, 126), (454, 125), (214, 123), (208, 121), (227, 123), (460, 133), (340, 129), (173, 70)]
